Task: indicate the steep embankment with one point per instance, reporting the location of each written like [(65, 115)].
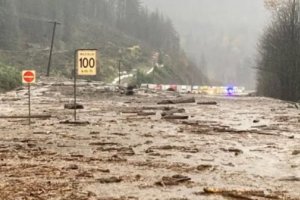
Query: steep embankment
[(121, 30)]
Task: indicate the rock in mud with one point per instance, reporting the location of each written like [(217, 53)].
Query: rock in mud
[(94, 133), (129, 90), (296, 152), (71, 167), (234, 150), (204, 167), (71, 106)]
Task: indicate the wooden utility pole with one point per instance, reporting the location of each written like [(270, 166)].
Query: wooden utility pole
[(120, 72), (51, 49), (120, 62), (153, 72)]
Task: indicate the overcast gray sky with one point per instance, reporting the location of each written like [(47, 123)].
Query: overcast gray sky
[(224, 33)]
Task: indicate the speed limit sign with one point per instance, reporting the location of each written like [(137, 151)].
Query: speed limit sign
[(87, 62)]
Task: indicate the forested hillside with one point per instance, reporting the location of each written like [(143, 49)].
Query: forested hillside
[(279, 50), (120, 29)]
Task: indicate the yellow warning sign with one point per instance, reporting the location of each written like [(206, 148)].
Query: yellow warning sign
[(87, 62)]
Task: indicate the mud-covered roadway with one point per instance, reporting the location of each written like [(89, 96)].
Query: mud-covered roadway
[(241, 148)]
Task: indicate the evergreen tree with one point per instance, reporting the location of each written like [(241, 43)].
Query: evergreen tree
[(279, 50)]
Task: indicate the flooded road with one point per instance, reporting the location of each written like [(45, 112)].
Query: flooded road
[(241, 148)]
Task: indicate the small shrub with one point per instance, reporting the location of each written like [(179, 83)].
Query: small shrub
[(10, 78)]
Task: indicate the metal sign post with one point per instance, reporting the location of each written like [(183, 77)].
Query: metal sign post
[(75, 79), (29, 104), (85, 64), (29, 77)]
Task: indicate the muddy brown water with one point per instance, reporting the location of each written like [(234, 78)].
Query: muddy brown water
[(242, 143)]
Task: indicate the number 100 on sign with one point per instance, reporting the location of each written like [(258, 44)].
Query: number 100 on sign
[(87, 62)]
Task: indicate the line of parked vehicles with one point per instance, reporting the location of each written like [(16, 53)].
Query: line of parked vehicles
[(195, 89)]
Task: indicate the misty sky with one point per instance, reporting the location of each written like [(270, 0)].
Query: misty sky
[(223, 33)]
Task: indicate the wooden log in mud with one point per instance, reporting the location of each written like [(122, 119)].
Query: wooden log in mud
[(10, 99), (176, 117), (207, 103), (178, 100), (164, 108), (143, 113), (174, 180), (242, 194), (79, 123), (26, 117)]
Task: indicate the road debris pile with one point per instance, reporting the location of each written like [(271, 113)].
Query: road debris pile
[(125, 147)]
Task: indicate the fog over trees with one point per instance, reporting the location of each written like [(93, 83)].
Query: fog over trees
[(30, 17), (111, 26), (222, 34)]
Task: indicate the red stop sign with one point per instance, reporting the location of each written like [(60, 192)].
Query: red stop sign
[(28, 76)]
